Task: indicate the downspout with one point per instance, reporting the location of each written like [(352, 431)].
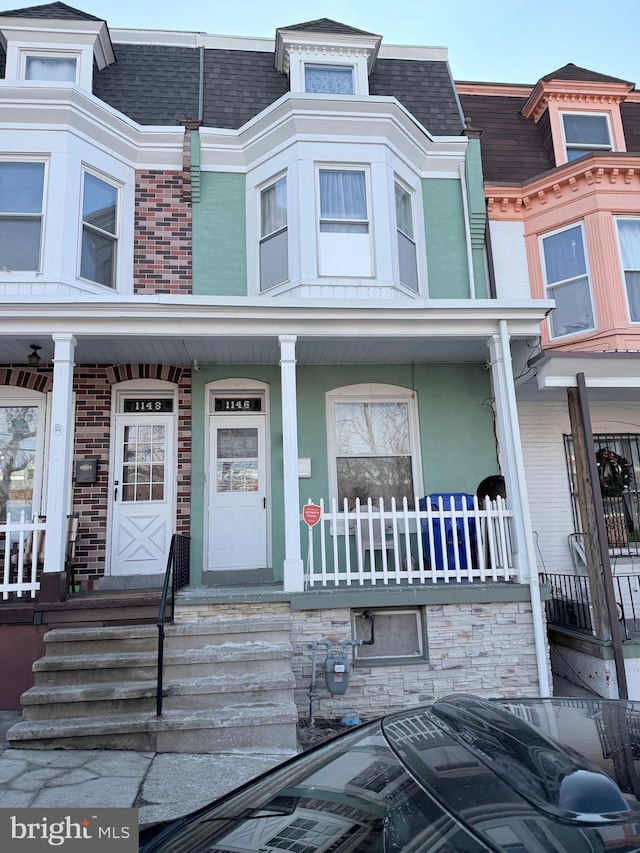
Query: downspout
[(467, 229), (539, 624)]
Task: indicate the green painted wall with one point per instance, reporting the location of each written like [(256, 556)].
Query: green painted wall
[(445, 239), (452, 400), (219, 236)]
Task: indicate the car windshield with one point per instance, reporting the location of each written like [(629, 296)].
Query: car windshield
[(352, 795)]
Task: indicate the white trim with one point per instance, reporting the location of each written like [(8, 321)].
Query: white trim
[(248, 387), (141, 388)]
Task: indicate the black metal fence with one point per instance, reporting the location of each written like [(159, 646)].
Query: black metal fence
[(569, 605)]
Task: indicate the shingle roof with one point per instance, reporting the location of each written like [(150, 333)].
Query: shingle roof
[(512, 146), (326, 25), (55, 11), (577, 74), (424, 87), (152, 84)]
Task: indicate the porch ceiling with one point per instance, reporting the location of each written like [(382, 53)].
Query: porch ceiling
[(242, 350)]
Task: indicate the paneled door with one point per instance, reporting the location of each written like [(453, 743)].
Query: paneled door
[(237, 516), (143, 494)]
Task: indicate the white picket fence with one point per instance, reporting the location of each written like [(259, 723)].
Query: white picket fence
[(447, 541), (21, 547)]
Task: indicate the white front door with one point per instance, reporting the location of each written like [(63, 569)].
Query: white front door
[(237, 517), (143, 494)]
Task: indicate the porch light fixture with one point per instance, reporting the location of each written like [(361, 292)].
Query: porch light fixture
[(33, 357)]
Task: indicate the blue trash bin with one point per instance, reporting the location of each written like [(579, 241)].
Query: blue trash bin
[(435, 533)]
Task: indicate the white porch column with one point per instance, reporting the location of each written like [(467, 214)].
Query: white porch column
[(512, 462), (293, 565), (60, 452)]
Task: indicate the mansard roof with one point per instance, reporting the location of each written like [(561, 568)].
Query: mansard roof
[(54, 11), (159, 83), (515, 147)]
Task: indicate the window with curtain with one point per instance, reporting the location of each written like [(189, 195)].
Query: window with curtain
[(329, 79), (406, 243), (21, 201), (567, 281), (373, 451), (629, 242), (99, 230), (274, 248), (585, 132), (51, 68), (343, 201)]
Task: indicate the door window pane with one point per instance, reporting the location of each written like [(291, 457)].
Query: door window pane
[(143, 467), (237, 460), (18, 436)]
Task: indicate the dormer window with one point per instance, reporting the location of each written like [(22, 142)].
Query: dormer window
[(584, 133), (329, 79), (51, 68)]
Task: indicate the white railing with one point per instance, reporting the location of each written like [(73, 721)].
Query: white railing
[(21, 547), (445, 541)]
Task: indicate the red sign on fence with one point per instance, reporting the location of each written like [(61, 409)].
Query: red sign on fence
[(311, 514)]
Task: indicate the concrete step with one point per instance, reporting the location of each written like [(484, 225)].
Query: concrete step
[(180, 636), (262, 727), (208, 692), (142, 666)]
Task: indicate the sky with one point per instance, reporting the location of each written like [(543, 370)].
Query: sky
[(514, 41)]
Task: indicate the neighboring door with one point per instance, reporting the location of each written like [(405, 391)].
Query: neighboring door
[(143, 494), (237, 492)]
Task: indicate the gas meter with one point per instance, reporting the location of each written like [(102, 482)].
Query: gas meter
[(336, 673)]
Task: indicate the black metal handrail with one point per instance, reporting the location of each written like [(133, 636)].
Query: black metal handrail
[(177, 572)]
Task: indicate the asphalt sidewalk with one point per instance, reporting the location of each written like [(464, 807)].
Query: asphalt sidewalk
[(161, 785)]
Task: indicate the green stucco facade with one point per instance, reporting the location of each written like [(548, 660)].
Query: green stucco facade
[(451, 402), (219, 236)]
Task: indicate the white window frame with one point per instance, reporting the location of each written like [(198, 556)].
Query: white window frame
[(43, 207), (59, 55), (87, 170), (345, 254), (583, 147), (550, 287), (299, 61), (373, 393), (263, 239), (410, 238), (624, 269)]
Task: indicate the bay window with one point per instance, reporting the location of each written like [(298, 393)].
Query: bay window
[(274, 249), (629, 242), (406, 242), (567, 281), (99, 230), (21, 210)]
